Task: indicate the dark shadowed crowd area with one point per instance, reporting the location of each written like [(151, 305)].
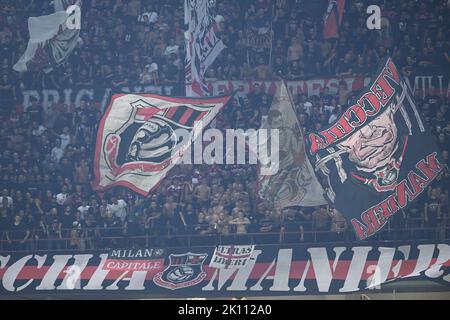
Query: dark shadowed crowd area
[(46, 200)]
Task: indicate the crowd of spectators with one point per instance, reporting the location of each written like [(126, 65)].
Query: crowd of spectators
[(46, 199)]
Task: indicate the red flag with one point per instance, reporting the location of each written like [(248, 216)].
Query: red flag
[(333, 19)]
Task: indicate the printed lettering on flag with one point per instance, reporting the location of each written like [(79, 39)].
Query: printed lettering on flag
[(135, 260), (231, 257), (202, 44), (378, 156)]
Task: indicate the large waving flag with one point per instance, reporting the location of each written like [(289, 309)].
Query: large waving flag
[(378, 156), (138, 142), (51, 40), (202, 44), (333, 18), (295, 183)]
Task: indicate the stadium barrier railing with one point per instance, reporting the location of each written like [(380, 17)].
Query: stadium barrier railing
[(100, 238)]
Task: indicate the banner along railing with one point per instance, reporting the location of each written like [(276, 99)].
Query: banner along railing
[(85, 239)]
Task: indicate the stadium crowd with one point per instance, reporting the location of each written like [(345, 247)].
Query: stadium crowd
[(46, 199)]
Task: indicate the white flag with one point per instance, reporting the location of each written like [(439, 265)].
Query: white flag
[(295, 183), (51, 41), (202, 44)]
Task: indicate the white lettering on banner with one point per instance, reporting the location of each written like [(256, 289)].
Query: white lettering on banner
[(70, 96), (96, 280), (136, 281), (435, 270), (382, 268), (10, 275), (301, 284), (139, 253), (397, 267), (427, 260), (240, 278), (423, 261), (441, 92), (4, 261), (116, 254), (425, 85), (70, 282), (50, 277), (356, 269), (46, 94), (282, 270), (320, 263), (67, 95), (448, 90), (27, 94), (307, 87), (257, 286), (134, 266)]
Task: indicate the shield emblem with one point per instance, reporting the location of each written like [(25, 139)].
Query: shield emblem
[(184, 270)]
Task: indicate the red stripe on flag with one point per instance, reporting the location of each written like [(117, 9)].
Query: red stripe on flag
[(200, 116), (184, 118), (147, 113), (171, 112)]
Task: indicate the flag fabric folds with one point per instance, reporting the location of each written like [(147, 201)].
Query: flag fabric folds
[(137, 140), (378, 156), (202, 44), (295, 183), (51, 41), (333, 19)]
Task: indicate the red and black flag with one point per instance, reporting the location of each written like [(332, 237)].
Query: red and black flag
[(139, 140), (378, 156), (333, 19)]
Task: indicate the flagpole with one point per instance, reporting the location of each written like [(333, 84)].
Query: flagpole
[(271, 38), (187, 70)]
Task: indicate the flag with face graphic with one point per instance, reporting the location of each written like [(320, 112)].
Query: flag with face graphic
[(141, 137), (378, 156)]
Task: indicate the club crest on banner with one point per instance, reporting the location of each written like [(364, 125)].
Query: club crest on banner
[(184, 270)]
